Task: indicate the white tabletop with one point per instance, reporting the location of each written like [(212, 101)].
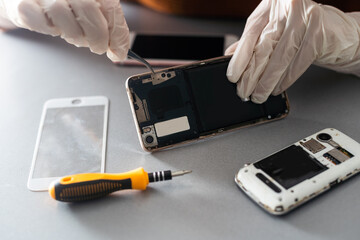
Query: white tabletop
[(206, 204)]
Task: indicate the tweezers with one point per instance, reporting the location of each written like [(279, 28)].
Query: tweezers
[(136, 57)]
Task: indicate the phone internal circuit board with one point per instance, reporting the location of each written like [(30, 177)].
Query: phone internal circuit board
[(193, 101)]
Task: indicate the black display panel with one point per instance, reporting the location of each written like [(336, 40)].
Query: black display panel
[(290, 166), (178, 47), (218, 105)]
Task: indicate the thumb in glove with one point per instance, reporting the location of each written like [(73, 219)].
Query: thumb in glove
[(282, 38)]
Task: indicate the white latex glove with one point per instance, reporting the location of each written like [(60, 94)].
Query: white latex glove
[(282, 38), (97, 24)]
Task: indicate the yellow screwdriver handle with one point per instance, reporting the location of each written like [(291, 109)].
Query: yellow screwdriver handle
[(87, 186)]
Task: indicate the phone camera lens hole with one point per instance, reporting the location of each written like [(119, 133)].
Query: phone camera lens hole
[(149, 139), (324, 137)]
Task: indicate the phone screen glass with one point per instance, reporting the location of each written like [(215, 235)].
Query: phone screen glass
[(178, 47), (71, 142)]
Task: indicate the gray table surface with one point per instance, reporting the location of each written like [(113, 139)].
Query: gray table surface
[(203, 205)]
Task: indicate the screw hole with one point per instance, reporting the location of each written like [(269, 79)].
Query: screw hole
[(76, 101)]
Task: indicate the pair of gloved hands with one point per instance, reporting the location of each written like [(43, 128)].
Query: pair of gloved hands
[(282, 38)]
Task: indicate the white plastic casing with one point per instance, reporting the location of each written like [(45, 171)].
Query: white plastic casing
[(288, 199)]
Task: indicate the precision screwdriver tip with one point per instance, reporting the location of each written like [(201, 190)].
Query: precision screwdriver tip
[(180, 173)]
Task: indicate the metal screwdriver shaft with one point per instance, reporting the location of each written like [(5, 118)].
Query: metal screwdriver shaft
[(166, 175)]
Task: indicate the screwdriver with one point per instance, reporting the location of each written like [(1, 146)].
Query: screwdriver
[(88, 186)]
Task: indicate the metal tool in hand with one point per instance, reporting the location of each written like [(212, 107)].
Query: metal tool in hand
[(136, 57)]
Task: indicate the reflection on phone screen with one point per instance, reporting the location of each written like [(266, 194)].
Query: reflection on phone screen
[(71, 141)]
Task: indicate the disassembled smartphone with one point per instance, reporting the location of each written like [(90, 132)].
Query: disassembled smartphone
[(71, 139), (191, 102), (300, 172), (177, 49)]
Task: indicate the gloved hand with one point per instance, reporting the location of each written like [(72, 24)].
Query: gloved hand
[(97, 24), (282, 38)]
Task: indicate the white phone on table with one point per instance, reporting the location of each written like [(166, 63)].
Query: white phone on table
[(177, 49), (298, 173), (71, 139)]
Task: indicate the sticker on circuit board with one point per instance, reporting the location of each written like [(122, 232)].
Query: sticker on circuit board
[(338, 155), (172, 126), (313, 146)]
